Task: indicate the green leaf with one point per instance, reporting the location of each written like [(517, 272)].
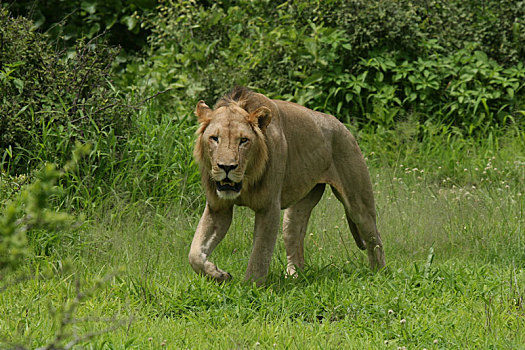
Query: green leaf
[(95, 28), (19, 85), (129, 22), (314, 78), (89, 6), (311, 47)]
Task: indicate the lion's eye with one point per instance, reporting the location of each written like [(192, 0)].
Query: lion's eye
[(214, 138), (243, 140)]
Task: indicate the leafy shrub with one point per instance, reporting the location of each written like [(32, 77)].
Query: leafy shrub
[(73, 20), (496, 27), (465, 89), (49, 101), (368, 62), (201, 51), (29, 223)]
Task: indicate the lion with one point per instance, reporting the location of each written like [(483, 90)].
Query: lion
[(270, 155)]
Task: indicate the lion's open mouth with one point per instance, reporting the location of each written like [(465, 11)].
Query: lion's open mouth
[(228, 185)]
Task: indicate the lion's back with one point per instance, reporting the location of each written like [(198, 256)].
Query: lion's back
[(312, 131), (314, 141)]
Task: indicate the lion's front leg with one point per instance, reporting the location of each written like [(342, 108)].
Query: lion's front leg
[(265, 235), (212, 228)]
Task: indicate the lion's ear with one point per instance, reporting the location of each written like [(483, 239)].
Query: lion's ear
[(262, 116), (202, 111)]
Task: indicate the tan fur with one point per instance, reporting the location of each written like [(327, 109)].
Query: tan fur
[(283, 154)]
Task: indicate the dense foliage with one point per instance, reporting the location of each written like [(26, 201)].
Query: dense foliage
[(371, 26), (73, 20), (50, 100), (368, 62)]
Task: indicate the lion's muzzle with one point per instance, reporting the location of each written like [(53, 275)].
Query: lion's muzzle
[(228, 185)]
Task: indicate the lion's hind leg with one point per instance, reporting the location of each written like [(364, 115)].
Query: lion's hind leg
[(295, 222), (351, 224), (361, 217)]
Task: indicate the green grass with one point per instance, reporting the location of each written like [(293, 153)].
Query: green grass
[(455, 277)]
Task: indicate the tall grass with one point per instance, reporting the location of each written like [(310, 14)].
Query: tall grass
[(159, 165)]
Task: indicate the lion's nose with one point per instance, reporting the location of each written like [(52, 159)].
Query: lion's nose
[(227, 168)]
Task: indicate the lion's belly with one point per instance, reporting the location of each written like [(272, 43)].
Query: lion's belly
[(305, 169), (309, 152)]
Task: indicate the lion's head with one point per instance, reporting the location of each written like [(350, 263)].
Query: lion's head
[(231, 145)]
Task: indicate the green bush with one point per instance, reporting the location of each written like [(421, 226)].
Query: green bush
[(49, 100), (200, 52), (29, 223), (368, 62), (464, 89), (496, 27), (73, 20)]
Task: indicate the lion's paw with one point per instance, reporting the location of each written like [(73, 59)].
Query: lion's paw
[(223, 276)]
